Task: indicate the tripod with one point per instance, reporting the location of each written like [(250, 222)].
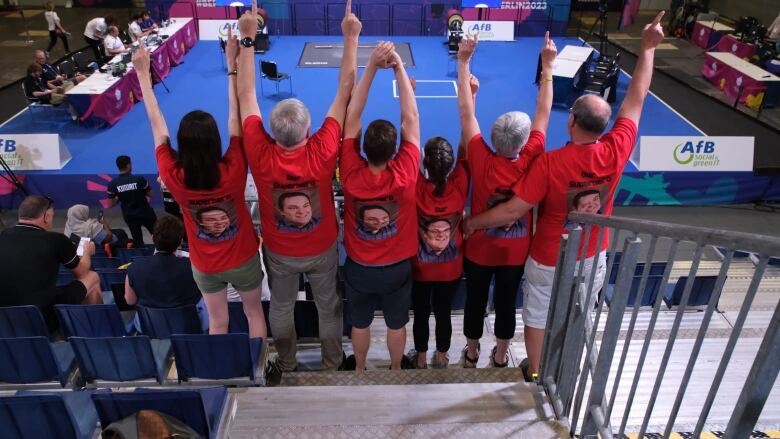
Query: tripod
[(601, 22)]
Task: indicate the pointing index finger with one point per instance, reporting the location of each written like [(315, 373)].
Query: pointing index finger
[(254, 8), (657, 19), (546, 37), (349, 8)]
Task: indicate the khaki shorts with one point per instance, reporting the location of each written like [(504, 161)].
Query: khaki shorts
[(245, 277), (538, 283)]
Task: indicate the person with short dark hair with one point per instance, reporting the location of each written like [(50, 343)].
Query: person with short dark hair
[(94, 33), (379, 196), (162, 280), (498, 255), (134, 28), (592, 160), (210, 186), (133, 193), (30, 258), (293, 168), (147, 23)]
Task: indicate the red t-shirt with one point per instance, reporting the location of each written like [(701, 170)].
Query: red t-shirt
[(219, 229), (294, 188), (380, 217), (575, 177), (440, 254), (493, 177)]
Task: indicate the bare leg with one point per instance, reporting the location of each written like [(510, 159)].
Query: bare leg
[(254, 313), (534, 337), (91, 282), (396, 342), (216, 304), (361, 340)]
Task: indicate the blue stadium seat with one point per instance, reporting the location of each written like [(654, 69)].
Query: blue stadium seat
[(218, 357), (110, 276), (35, 360), (160, 323), (105, 262), (201, 409), (648, 296), (656, 269), (459, 300), (22, 321), (48, 415), (703, 287), (91, 320), (127, 254), (121, 359)]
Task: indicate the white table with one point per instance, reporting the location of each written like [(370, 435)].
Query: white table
[(575, 53)]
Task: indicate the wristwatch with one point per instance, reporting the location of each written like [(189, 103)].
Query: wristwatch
[(247, 42)]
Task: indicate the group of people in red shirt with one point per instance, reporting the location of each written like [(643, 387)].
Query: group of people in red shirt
[(403, 226)]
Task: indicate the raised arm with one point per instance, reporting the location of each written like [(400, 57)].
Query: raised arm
[(234, 116), (466, 99), (247, 93), (410, 117), (350, 28), (156, 119), (504, 213), (379, 59), (652, 35), (544, 98)]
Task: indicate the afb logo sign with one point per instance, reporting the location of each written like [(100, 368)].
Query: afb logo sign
[(216, 29), (695, 154), (490, 30)]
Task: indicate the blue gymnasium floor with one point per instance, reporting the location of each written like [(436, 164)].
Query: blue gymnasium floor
[(505, 70)]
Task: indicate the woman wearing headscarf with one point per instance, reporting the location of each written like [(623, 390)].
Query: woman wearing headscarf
[(80, 224)]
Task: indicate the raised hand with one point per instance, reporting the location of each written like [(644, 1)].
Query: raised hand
[(231, 50), (474, 84), (141, 63), (466, 48), (653, 33), (382, 56), (350, 25), (247, 24), (549, 51)]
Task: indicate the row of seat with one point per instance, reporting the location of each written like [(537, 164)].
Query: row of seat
[(75, 415)]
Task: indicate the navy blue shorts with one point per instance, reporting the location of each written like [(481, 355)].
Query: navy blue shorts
[(388, 288)]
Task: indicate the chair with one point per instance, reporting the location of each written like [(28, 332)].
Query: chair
[(161, 323), (47, 415), (67, 69), (701, 291), (127, 254), (270, 72), (459, 299), (22, 321), (237, 323), (656, 269), (35, 360), (105, 262), (218, 357), (604, 86), (33, 102), (119, 360), (648, 296), (203, 410), (110, 276), (81, 62), (91, 320)]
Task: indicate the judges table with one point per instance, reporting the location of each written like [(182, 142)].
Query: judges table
[(568, 66), (731, 44), (104, 99), (707, 33), (738, 78)]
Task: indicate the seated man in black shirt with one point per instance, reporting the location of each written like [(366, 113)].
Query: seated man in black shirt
[(52, 76), (30, 258), (38, 88), (163, 280)]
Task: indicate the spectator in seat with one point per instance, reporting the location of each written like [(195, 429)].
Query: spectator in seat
[(52, 76), (386, 178), (146, 23), (30, 259), (133, 193), (95, 31), (135, 31), (162, 280), (112, 43), (592, 160), (81, 225), (38, 89), (293, 171), (200, 177)]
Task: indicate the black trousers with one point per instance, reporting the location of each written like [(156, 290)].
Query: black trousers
[(53, 35), (438, 294), (135, 224), (507, 281), (95, 45)]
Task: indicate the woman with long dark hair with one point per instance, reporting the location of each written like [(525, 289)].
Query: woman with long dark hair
[(441, 197), (209, 187)]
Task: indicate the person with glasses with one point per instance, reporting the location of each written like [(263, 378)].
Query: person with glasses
[(30, 259), (589, 165)]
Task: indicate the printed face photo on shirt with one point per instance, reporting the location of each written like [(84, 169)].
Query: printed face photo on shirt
[(216, 222), (297, 210), (437, 238), (586, 200), (516, 229), (376, 219)]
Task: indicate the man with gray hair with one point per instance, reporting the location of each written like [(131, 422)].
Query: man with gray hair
[(30, 258), (295, 162), (499, 252), (587, 168)]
